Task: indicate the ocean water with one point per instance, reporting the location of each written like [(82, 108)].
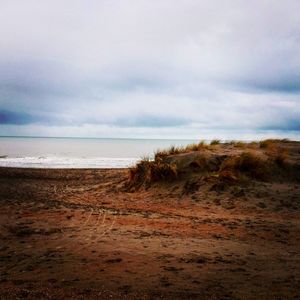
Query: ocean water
[(28, 152)]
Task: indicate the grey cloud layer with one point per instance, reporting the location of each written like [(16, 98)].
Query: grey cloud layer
[(150, 64)]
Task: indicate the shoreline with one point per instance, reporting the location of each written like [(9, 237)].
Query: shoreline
[(67, 162), (60, 169)]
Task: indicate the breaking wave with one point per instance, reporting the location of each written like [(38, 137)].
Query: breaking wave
[(67, 162)]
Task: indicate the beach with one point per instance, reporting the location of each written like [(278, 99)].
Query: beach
[(149, 150), (82, 234)]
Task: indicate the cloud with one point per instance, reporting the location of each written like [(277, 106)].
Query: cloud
[(147, 65), (9, 117)]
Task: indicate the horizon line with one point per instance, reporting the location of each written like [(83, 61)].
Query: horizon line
[(109, 138)]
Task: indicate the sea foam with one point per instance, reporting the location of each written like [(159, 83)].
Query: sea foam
[(67, 162)]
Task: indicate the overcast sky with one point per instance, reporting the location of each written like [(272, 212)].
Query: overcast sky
[(150, 69)]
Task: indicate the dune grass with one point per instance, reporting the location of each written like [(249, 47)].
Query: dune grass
[(147, 171), (269, 143), (256, 160), (238, 144), (180, 149), (248, 164), (215, 142)]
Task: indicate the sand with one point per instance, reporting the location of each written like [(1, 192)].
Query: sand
[(79, 234)]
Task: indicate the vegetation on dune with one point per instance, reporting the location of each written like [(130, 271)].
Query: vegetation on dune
[(255, 160), (271, 143), (248, 164), (200, 163), (170, 151), (196, 147), (181, 149), (215, 142), (186, 149), (238, 144), (280, 158), (147, 171)]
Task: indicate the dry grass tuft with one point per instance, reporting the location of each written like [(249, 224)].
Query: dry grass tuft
[(278, 155), (247, 164), (275, 151), (178, 150), (170, 151), (269, 143), (215, 142), (195, 147), (162, 171), (146, 172)]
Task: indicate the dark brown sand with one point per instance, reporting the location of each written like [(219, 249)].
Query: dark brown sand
[(77, 234)]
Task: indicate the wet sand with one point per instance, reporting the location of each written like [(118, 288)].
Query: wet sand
[(78, 234)]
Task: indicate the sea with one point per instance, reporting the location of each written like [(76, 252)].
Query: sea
[(45, 152)]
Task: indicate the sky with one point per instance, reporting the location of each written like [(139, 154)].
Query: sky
[(150, 69)]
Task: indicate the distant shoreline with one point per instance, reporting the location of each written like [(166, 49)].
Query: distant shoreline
[(99, 138)]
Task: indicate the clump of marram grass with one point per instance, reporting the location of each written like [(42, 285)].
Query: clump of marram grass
[(278, 155), (180, 149), (196, 146), (272, 142), (161, 170), (169, 151), (247, 164), (275, 151), (175, 150), (148, 171), (215, 142), (267, 143)]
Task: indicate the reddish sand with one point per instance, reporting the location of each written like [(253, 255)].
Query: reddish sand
[(77, 234)]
